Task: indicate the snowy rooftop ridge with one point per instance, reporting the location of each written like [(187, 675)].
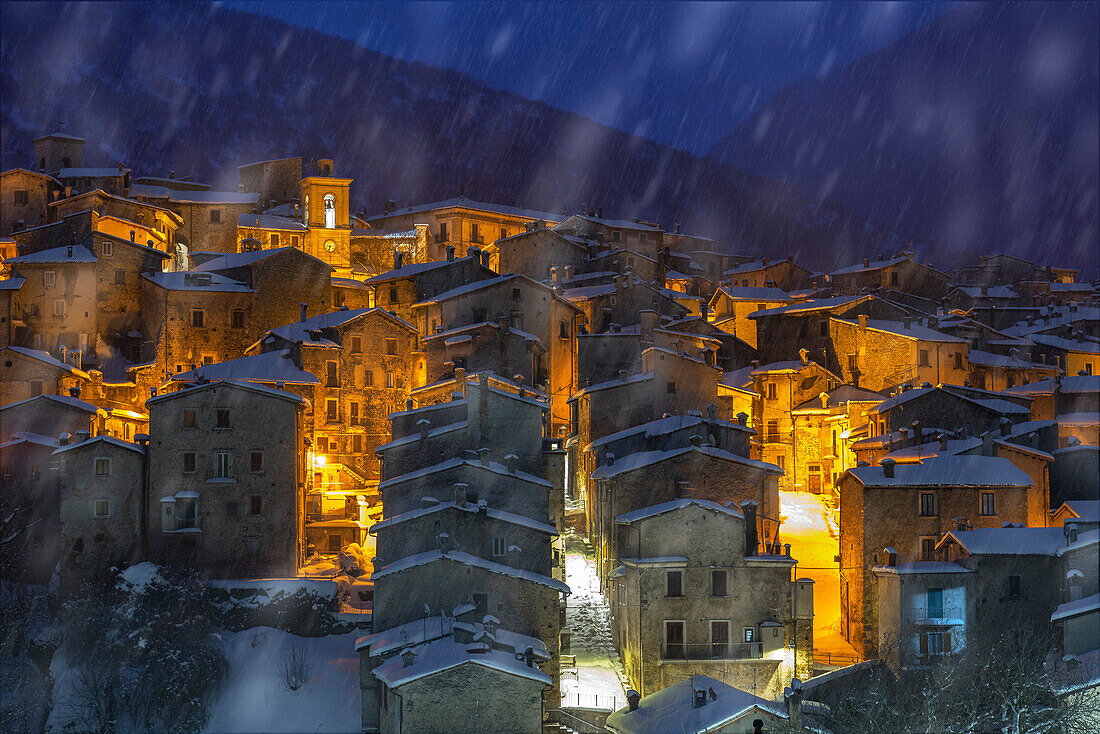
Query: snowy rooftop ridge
[(421, 559), (644, 513)]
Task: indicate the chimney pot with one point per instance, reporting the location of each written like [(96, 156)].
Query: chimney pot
[(460, 493), (888, 468), (483, 455), (304, 307), (632, 698)]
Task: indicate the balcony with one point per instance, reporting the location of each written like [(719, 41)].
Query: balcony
[(713, 651)]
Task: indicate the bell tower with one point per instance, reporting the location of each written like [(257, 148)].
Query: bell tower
[(326, 213)]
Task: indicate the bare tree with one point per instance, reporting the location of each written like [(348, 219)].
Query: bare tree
[(297, 666)]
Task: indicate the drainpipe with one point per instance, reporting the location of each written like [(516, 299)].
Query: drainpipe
[(143, 520)]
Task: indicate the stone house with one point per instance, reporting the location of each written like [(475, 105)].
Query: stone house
[(210, 218), (486, 346), (602, 356), (729, 309), (28, 499), (780, 388), (535, 252), (901, 272), (461, 223), (267, 232), (58, 150), (115, 181), (822, 429), (28, 373), (526, 306), (51, 415), (881, 355), (908, 507), (275, 181), (618, 301), (1078, 616), (997, 372), (624, 484), (948, 407), (24, 196), (411, 283), (785, 275), (924, 609), (1076, 353), (604, 261), (102, 492), (162, 223), (643, 237), (227, 479), (981, 297), (436, 675), (692, 594)]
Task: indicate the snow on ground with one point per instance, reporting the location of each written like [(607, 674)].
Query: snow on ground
[(811, 529), (256, 698), (596, 681), (141, 575)]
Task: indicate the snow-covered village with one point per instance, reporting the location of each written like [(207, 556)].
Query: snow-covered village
[(549, 368)]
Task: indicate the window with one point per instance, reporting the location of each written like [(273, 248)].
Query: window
[(190, 417), (368, 377), (354, 410), (222, 418), (670, 388), (719, 638), (500, 545), (20, 198), (924, 358), (103, 467), (49, 278), (674, 583), (389, 379), (188, 462), (893, 277), (781, 462), (516, 320), (59, 307), (356, 345), (102, 508), (36, 473), (824, 329), (393, 294), (215, 216), (356, 443), (674, 640), (928, 549), (198, 318), (615, 236), (391, 346), (718, 583), (748, 634), (475, 234), (332, 410), (935, 643), (442, 231), (503, 233), (563, 331), (120, 276), (255, 504), (254, 544), (772, 434), (275, 240), (332, 374), (934, 603), (107, 248), (958, 360), (232, 508), (256, 461), (928, 504), (517, 294), (771, 391), (36, 388), (222, 464), (989, 503), (293, 240), (1014, 590), (236, 319)]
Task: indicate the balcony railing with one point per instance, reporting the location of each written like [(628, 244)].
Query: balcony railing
[(713, 651)]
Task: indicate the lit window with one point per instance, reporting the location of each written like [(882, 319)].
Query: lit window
[(389, 379), (102, 467)]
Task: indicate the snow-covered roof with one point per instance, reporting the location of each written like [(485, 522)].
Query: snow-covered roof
[(460, 201), (871, 266), (1076, 608), (64, 254), (188, 196), (299, 331), (914, 331), (426, 629), (445, 653), (225, 261), (619, 223), (235, 385), (184, 281), (473, 508), (67, 400), (1008, 541), (491, 466), (46, 358), (993, 403), (60, 135), (270, 221), (583, 293), (111, 440), (612, 383), (1083, 509), (947, 471), (90, 173), (918, 567), (37, 439), (1089, 345), (409, 271), (672, 709), (1079, 419), (997, 291), (643, 459), (841, 395), (988, 359), (414, 437), (12, 284), (628, 518), (662, 427), (1084, 540), (478, 285), (757, 294), (820, 304), (465, 330), (277, 366), (432, 556)]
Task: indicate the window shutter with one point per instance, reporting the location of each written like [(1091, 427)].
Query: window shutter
[(924, 644), (947, 642)]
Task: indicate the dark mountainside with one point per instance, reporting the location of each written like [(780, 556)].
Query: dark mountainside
[(978, 131), (201, 89)]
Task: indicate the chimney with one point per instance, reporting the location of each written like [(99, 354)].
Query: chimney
[(74, 392), (397, 257), (408, 656), (632, 698), (304, 308), (792, 696), (622, 375), (987, 443), (450, 253), (866, 262), (748, 509), (1070, 529), (698, 697), (712, 412), (742, 418), (460, 493), (424, 425), (676, 227), (64, 438), (1006, 426), (863, 322), (483, 455), (891, 556), (824, 400), (803, 355), (907, 322), (70, 252), (1073, 582), (609, 458), (888, 468), (510, 461)]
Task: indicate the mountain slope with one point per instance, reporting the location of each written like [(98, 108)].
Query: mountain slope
[(978, 131), (201, 89)]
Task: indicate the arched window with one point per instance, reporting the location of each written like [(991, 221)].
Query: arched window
[(330, 211)]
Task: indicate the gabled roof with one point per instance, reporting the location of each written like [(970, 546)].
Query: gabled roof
[(190, 196), (32, 438), (1012, 541), (820, 304), (414, 269), (55, 255), (914, 331), (274, 367), (645, 459), (299, 331), (628, 518), (995, 404), (478, 285), (754, 294), (491, 466), (463, 202), (423, 559), (67, 400), (39, 174), (663, 426), (619, 223), (183, 281), (946, 471), (244, 259), (840, 395), (1089, 345), (233, 384), (102, 439), (46, 358)]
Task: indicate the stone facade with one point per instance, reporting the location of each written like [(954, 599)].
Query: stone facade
[(274, 180), (24, 196), (535, 253), (27, 373)]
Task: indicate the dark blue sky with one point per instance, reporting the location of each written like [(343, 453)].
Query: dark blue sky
[(684, 74)]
